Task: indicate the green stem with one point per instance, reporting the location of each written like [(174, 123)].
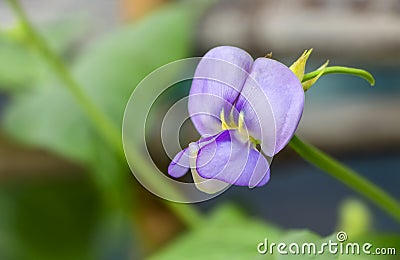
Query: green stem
[(347, 176), (188, 214), (341, 70)]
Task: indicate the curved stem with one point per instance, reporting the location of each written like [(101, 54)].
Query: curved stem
[(347, 176), (341, 70), (187, 213)]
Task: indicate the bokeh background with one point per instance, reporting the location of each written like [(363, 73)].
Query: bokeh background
[(64, 193)]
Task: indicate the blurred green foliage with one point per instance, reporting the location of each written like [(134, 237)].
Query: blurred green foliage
[(18, 65), (355, 217), (108, 69), (46, 115), (230, 234), (40, 220), (21, 68)]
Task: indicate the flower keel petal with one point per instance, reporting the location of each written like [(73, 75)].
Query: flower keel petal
[(234, 161)]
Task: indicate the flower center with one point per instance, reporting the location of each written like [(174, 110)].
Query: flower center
[(239, 126)]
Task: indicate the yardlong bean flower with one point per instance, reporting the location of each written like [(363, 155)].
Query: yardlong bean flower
[(246, 111)]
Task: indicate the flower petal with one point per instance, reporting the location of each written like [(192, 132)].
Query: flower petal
[(210, 186), (272, 101), (217, 82), (233, 161), (181, 162)]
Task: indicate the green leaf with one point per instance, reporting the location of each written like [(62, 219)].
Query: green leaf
[(303, 238), (108, 70), (112, 68), (227, 234), (51, 119), (65, 32), (20, 66)]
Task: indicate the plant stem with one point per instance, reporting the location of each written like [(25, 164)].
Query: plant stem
[(187, 213), (342, 70), (347, 176)]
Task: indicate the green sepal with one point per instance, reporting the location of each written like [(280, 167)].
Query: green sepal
[(299, 66)]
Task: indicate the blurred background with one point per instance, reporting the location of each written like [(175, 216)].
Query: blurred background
[(64, 194)]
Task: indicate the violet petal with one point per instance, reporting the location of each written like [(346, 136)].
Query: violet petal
[(234, 161), (282, 94), (217, 82), (181, 162)]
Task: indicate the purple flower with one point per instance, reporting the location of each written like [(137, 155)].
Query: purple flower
[(246, 111)]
